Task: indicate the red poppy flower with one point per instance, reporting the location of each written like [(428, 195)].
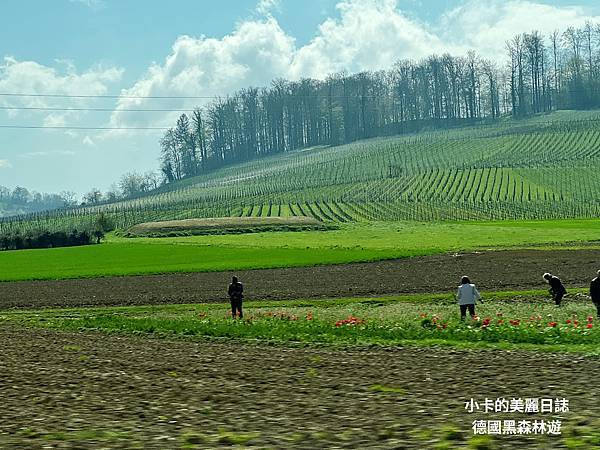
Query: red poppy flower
[(351, 320)]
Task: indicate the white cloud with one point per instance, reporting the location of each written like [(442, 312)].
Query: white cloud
[(266, 7), (30, 155), (5, 164), (89, 141), (369, 35), (255, 53), (486, 26), (93, 4), (55, 120), (45, 154), (32, 77), (29, 77), (366, 35)]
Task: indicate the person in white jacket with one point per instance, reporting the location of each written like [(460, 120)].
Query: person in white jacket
[(467, 297)]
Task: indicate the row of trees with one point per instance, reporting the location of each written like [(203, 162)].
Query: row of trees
[(21, 200), (544, 73), (49, 239), (91, 233), (130, 185), (343, 108), (555, 72)]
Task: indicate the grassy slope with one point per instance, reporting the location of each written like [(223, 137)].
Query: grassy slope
[(225, 225), (541, 167), (388, 321), (352, 242)]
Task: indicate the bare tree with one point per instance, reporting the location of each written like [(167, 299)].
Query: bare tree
[(94, 196)]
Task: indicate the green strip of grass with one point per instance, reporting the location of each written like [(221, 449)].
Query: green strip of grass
[(350, 243), (408, 320), (490, 299), (140, 259), (445, 236)]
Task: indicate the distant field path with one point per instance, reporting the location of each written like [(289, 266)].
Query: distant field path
[(498, 270)]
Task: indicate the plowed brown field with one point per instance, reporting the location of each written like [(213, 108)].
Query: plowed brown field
[(64, 390), (496, 271)]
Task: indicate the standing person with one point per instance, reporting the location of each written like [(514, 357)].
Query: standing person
[(595, 292), (236, 295), (467, 295), (557, 289)]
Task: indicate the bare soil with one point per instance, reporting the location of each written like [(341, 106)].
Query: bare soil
[(64, 390), (493, 270)]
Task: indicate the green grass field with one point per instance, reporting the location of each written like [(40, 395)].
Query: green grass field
[(349, 243), (531, 322)]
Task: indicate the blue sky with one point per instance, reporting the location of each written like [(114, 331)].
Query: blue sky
[(134, 33), (206, 47)]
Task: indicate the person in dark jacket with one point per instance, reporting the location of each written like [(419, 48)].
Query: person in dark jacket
[(595, 292), (236, 295), (557, 290)]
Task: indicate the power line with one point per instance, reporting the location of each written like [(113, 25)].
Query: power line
[(113, 96), (169, 97), (47, 127), (40, 108), (173, 97), (187, 97)]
